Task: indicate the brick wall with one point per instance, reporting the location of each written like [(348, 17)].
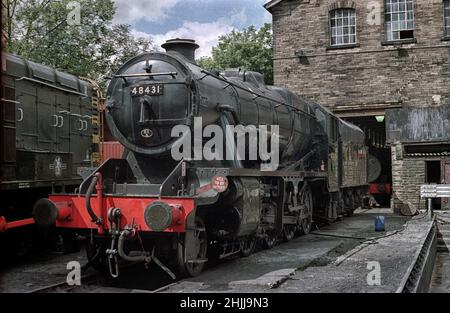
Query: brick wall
[(369, 75), (408, 174)]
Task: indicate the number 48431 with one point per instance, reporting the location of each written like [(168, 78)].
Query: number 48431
[(151, 90)]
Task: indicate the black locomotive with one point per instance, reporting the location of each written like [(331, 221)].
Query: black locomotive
[(49, 131), (148, 206)]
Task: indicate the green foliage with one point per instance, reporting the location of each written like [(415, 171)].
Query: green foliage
[(38, 30), (250, 49)]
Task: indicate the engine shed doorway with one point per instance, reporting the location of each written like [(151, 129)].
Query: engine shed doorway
[(380, 162)]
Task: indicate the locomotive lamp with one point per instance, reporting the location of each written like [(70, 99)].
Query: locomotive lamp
[(379, 118)]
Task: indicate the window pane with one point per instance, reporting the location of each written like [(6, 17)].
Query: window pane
[(402, 24), (410, 6), (342, 27), (394, 26), (396, 35), (410, 25)]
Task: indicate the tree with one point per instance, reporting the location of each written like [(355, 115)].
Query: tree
[(39, 30), (250, 49)]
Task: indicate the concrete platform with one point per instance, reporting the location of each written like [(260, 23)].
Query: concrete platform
[(333, 259)]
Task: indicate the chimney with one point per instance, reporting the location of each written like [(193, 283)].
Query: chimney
[(185, 47)]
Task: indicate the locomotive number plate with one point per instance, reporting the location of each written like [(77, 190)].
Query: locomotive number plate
[(147, 90)]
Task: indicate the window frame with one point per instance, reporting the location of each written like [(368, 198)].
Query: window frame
[(445, 18), (330, 30), (386, 32)]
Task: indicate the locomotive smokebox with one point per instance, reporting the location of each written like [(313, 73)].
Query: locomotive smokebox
[(185, 47)]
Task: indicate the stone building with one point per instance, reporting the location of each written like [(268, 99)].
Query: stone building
[(371, 62)]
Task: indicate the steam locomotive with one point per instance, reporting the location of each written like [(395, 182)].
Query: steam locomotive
[(148, 206)]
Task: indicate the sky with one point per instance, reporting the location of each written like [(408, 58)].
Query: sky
[(202, 20)]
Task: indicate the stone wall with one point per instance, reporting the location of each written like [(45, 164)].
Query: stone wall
[(408, 174), (370, 74)]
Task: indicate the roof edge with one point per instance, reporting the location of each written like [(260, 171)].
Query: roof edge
[(269, 5)]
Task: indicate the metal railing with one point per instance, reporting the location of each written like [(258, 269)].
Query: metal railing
[(434, 191)]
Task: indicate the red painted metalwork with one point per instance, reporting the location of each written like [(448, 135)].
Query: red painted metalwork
[(132, 210), (111, 150), (99, 188), (4, 225), (64, 210), (177, 215), (378, 189)]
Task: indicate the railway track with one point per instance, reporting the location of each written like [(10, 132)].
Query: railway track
[(62, 286), (134, 279), (91, 284)]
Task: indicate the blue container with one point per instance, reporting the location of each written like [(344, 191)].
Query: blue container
[(379, 223)]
